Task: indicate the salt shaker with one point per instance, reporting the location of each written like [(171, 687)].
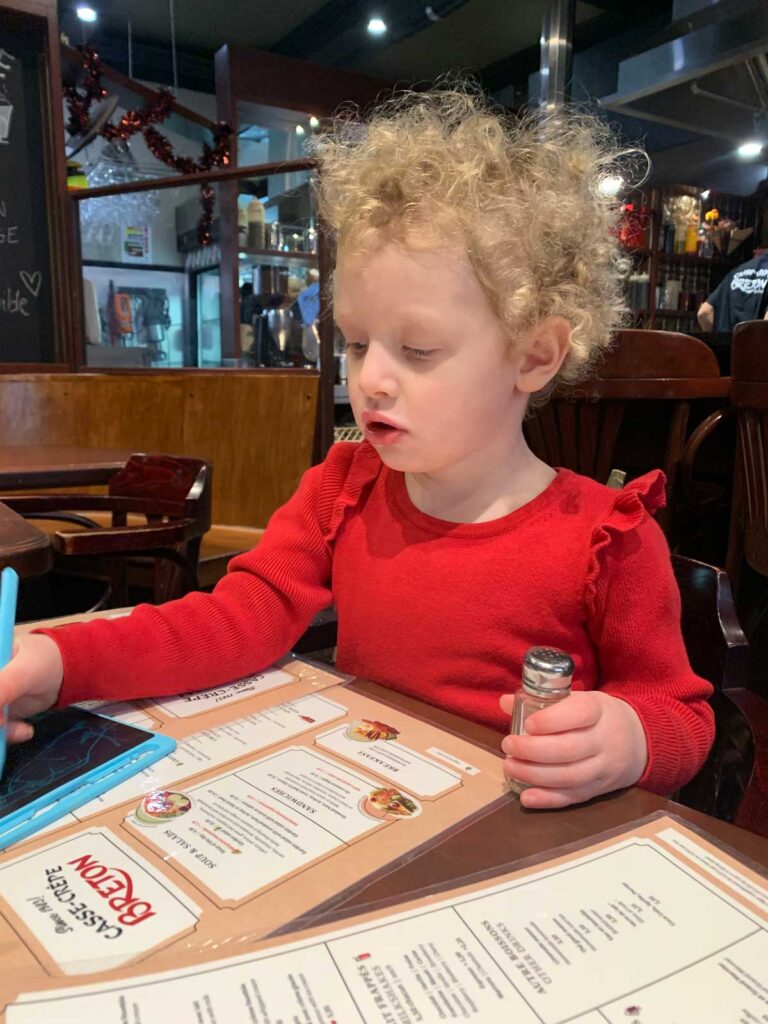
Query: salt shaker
[(547, 675)]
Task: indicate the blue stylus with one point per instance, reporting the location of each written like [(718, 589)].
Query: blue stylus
[(9, 588)]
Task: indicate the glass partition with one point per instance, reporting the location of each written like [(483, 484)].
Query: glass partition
[(153, 294)]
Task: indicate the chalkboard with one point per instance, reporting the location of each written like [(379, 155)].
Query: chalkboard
[(27, 330)]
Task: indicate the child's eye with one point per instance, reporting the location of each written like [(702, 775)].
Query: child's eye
[(356, 348), (418, 353)]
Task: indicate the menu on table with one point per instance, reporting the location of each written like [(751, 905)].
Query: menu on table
[(286, 790), (655, 925)]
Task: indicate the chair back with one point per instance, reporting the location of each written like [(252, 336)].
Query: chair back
[(579, 427), (169, 488), (168, 481), (749, 397)]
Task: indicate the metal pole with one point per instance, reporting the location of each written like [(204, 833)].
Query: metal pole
[(556, 53)]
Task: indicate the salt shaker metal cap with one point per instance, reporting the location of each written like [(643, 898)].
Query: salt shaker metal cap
[(547, 670)]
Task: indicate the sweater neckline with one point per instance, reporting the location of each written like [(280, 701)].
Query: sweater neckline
[(398, 492)]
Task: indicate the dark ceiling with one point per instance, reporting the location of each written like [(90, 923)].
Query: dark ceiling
[(499, 39)]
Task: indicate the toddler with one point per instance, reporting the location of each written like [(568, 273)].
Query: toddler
[(477, 265)]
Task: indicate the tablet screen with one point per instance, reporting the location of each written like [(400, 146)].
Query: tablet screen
[(67, 744)]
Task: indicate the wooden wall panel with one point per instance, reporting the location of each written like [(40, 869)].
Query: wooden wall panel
[(256, 429), (259, 446)]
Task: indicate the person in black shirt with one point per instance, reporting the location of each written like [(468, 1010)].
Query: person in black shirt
[(741, 295)]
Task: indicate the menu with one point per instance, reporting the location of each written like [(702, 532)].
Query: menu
[(286, 789), (655, 926)]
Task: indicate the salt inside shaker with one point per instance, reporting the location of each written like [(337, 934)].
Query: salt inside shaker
[(547, 676)]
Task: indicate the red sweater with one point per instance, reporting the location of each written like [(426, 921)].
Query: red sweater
[(442, 611)]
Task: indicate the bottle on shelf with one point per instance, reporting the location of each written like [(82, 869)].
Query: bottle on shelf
[(691, 244), (255, 224), (680, 228), (275, 238), (643, 290), (671, 293)]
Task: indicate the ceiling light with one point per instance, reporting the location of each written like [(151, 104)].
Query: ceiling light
[(610, 185), (86, 13), (705, 194), (377, 26), (299, 129), (314, 122), (750, 149)]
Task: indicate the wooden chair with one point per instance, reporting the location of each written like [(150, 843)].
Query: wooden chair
[(748, 539), (170, 495), (579, 427), (718, 651)]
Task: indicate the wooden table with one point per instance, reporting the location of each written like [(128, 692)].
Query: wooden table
[(512, 833), (22, 546), (52, 465)]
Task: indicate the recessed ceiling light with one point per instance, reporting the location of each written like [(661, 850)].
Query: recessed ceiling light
[(299, 129), (377, 26), (314, 122), (747, 150), (610, 185), (86, 13)]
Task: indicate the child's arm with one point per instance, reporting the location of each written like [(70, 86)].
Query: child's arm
[(649, 722), (254, 615)]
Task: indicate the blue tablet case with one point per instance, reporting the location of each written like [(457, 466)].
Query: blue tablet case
[(75, 756)]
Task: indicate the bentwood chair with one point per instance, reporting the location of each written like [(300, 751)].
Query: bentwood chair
[(748, 540), (718, 651), (168, 499), (579, 428)]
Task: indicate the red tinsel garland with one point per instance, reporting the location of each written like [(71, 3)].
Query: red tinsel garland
[(79, 101)]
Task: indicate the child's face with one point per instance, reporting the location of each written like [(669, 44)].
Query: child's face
[(431, 378)]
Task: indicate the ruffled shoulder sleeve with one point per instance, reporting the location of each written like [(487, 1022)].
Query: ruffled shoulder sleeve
[(631, 507), (349, 469)]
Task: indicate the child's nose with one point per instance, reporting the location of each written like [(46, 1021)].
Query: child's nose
[(376, 375)]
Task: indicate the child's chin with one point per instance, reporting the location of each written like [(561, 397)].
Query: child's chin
[(403, 461)]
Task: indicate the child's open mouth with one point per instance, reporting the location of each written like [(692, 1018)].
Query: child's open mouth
[(381, 432)]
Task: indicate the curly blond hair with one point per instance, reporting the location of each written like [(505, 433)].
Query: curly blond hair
[(523, 194)]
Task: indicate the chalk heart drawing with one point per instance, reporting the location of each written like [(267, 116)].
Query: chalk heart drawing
[(31, 281)]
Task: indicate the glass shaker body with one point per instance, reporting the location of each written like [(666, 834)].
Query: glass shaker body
[(547, 675)]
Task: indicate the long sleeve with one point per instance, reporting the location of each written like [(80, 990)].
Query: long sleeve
[(254, 615), (634, 620)]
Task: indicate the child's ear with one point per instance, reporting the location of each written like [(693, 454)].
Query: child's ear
[(544, 347)]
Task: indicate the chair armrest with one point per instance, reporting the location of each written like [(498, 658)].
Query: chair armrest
[(29, 504), (120, 540), (691, 450)]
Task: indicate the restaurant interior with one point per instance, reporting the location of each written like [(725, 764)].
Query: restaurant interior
[(171, 369)]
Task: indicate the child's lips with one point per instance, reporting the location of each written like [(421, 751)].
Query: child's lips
[(381, 430)]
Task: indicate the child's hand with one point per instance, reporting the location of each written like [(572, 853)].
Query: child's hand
[(30, 682), (589, 743)]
